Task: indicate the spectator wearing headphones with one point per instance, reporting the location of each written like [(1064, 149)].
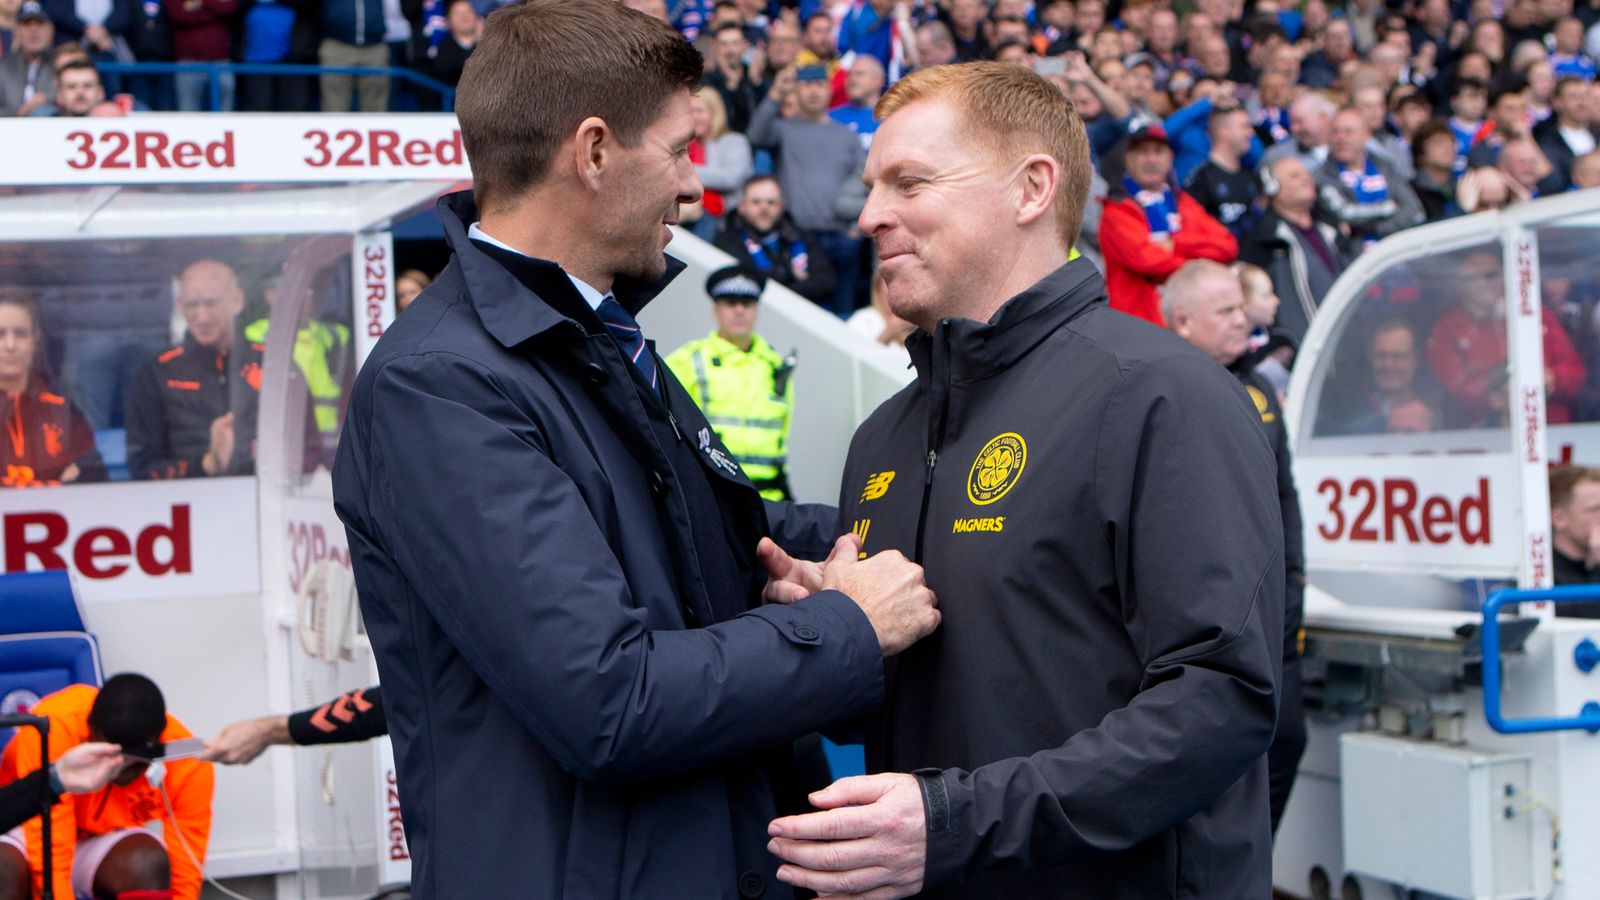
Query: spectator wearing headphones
[(1301, 254)]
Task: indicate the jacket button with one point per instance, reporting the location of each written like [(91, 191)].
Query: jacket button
[(596, 373), (658, 485), (751, 884), (806, 633)]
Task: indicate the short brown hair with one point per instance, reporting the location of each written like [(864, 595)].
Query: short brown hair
[(543, 67), (1564, 479), (1013, 112)]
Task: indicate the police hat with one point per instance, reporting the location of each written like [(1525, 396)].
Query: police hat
[(735, 283), (32, 12)]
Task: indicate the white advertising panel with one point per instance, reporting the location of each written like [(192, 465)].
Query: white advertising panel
[(195, 149), (152, 540), (373, 272), (394, 862), (1525, 325), (1421, 513)]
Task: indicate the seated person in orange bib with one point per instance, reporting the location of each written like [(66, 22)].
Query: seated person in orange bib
[(99, 845), (47, 440)]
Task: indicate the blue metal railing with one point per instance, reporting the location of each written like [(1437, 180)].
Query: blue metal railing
[(1585, 657), (214, 71)]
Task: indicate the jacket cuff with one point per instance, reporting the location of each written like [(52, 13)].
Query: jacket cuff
[(948, 802), (830, 620)]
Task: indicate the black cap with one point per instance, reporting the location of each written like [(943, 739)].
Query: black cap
[(32, 11), (735, 283)]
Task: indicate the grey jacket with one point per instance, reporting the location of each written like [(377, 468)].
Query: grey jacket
[(1400, 211), (14, 81)]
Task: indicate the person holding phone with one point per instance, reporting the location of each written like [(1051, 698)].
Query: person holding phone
[(99, 843)]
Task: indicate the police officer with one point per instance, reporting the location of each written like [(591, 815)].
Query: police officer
[(322, 352), (740, 382)]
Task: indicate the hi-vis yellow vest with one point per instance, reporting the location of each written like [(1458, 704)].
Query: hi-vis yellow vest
[(313, 347), (735, 390)]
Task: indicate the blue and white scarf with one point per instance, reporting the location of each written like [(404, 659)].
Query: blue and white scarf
[(1368, 185), (1276, 121), (1160, 209), (799, 259)]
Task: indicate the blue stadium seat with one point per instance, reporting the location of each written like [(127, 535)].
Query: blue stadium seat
[(44, 644)]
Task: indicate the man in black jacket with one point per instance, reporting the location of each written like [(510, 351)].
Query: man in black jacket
[(1091, 718), (1203, 304), (557, 560), (192, 410), (1567, 134), (761, 236)]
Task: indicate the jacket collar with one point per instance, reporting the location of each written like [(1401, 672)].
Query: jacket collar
[(514, 308), (978, 349)]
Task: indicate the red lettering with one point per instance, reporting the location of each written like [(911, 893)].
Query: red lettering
[(1407, 516), (86, 155), (449, 152), (374, 252), (1395, 508), (397, 831), (382, 143), (87, 557), (350, 158), (1436, 512), (177, 537), (152, 149), (1530, 423), (321, 154), (219, 153), (417, 153), (1536, 559), (1334, 532), (19, 547), (187, 155), (1361, 531), (114, 159), (1480, 506)]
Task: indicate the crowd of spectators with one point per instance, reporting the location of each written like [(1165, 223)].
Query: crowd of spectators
[(1287, 136)]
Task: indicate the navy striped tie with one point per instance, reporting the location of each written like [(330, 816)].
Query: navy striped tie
[(625, 331)]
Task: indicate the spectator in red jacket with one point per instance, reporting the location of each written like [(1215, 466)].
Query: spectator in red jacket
[(1467, 351), (1150, 228)]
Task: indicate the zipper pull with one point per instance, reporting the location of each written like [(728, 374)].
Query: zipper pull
[(933, 459), (674, 420)]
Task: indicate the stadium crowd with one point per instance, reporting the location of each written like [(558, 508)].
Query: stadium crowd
[(1282, 139), (1289, 136)]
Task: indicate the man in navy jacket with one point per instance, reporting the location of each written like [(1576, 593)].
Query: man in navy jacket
[(557, 560)]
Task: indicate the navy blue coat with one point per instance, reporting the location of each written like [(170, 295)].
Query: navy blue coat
[(527, 573)]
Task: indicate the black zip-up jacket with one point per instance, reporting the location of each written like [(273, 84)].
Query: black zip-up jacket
[(174, 400), (1085, 492)]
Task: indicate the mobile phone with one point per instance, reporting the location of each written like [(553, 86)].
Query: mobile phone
[(180, 749), (1051, 65)]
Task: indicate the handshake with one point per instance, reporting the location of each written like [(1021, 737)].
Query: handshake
[(889, 588)]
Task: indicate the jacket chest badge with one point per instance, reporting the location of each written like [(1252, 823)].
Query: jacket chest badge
[(877, 486), (718, 458), (1262, 406), (997, 468)]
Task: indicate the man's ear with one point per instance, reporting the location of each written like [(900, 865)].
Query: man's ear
[(593, 145), (1038, 182)]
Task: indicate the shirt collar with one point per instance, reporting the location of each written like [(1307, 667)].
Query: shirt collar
[(590, 295)]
